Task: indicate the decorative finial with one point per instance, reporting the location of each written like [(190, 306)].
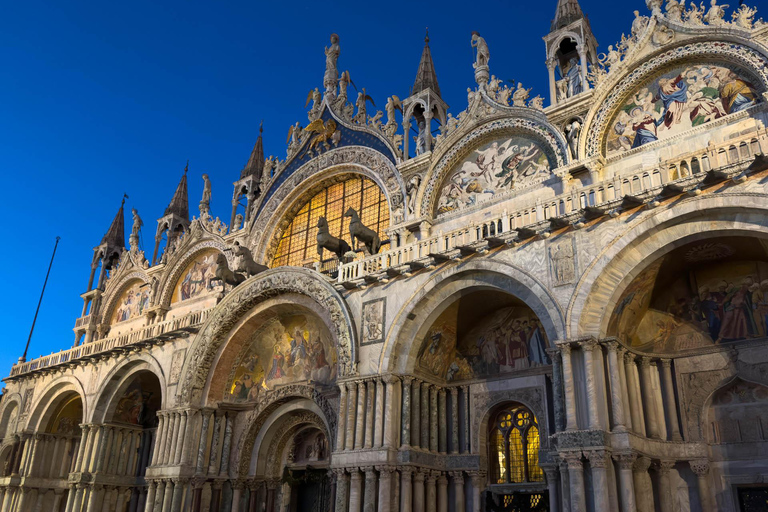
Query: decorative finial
[(125, 196), (261, 126), (426, 38), (186, 168)]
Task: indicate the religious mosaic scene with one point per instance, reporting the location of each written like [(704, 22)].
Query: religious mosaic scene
[(522, 303)]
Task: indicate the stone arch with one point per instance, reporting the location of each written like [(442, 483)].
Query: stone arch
[(265, 228), (294, 397), (235, 306), (555, 46), (168, 284), (45, 404), (648, 239), (609, 95), (11, 410), (115, 292), (709, 410), (526, 122), (118, 379), (415, 318)]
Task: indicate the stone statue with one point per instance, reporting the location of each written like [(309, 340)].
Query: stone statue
[(639, 24), (238, 222), (537, 103), (562, 89), (294, 135), (224, 274), (374, 121), (611, 58), (421, 139), (716, 13), (675, 10), (206, 190), (575, 83), (137, 223), (744, 17), (520, 96), (246, 262), (483, 55), (325, 240), (393, 103), (572, 131), (412, 190), (695, 16), (316, 98), (361, 116), (361, 233), (331, 72), (269, 165)]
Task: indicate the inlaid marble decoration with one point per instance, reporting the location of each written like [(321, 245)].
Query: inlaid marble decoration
[(502, 341), (373, 322), (284, 350), (699, 295), (132, 302), (198, 278), (678, 100), (496, 167)]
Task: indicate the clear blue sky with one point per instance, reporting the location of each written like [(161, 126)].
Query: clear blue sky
[(101, 98)]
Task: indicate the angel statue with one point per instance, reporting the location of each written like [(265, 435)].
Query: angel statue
[(331, 72), (206, 191), (294, 135), (675, 10), (137, 223), (716, 13), (520, 96), (325, 132), (341, 99), (421, 139), (361, 116), (393, 103), (483, 55), (316, 98)]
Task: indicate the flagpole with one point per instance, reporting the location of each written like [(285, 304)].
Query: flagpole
[(34, 320)]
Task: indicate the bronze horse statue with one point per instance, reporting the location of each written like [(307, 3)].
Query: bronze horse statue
[(361, 233), (224, 274), (326, 241)]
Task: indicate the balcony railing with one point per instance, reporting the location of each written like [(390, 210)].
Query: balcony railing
[(156, 331)]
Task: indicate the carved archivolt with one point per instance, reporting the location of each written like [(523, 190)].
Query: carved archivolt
[(540, 130), (244, 298), (183, 259), (114, 292), (289, 427), (751, 60), (484, 401), (270, 402), (357, 159)]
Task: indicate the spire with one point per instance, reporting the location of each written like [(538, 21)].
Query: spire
[(115, 235), (567, 12), (180, 204), (255, 165), (426, 76)]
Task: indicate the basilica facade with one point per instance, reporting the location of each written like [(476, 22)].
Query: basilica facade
[(513, 307)]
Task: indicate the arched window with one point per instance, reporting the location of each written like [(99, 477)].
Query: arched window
[(298, 244), (514, 446), (695, 168)]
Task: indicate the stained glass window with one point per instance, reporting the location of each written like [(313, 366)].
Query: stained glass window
[(515, 447), (298, 244)]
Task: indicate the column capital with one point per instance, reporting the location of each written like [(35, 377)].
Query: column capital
[(406, 470), (553, 353), (477, 477), (664, 466), (645, 361), (370, 473), (419, 475), (385, 471), (642, 464), (598, 458), (390, 379), (629, 357), (339, 472), (612, 345), (273, 483), (458, 476), (431, 477), (453, 390), (625, 460), (666, 362), (407, 379), (572, 459), (699, 466), (589, 344), (355, 475), (441, 478), (565, 349), (239, 483)]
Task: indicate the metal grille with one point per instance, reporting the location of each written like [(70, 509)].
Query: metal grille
[(298, 244)]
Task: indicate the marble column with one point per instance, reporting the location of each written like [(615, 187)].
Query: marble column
[(168, 496), (633, 390), (157, 506), (665, 485), (551, 63), (670, 404), (467, 430), (351, 413), (391, 412), (569, 390), (442, 493), (370, 394), (213, 459), (405, 433), (207, 416), (342, 491), (187, 431), (424, 430), (628, 421), (58, 496), (590, 348), (478, 483), (237, 495), (642, 480), (226, 444), (550, 472), (360, 420), (418, 491), (433, 419), (150, 500), (557, 387), (369, 500), (599, 461), (385, 488), (431, 491), (342, 426), (378, 434), (83, 445), (355, 490), (626, 462), (457, 478), (175, 437), (701, 469), (442, 422), (416, 414), (617, 404), (454, 419), (95, 499), (649, 399), (406, 497), (576, 481)]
